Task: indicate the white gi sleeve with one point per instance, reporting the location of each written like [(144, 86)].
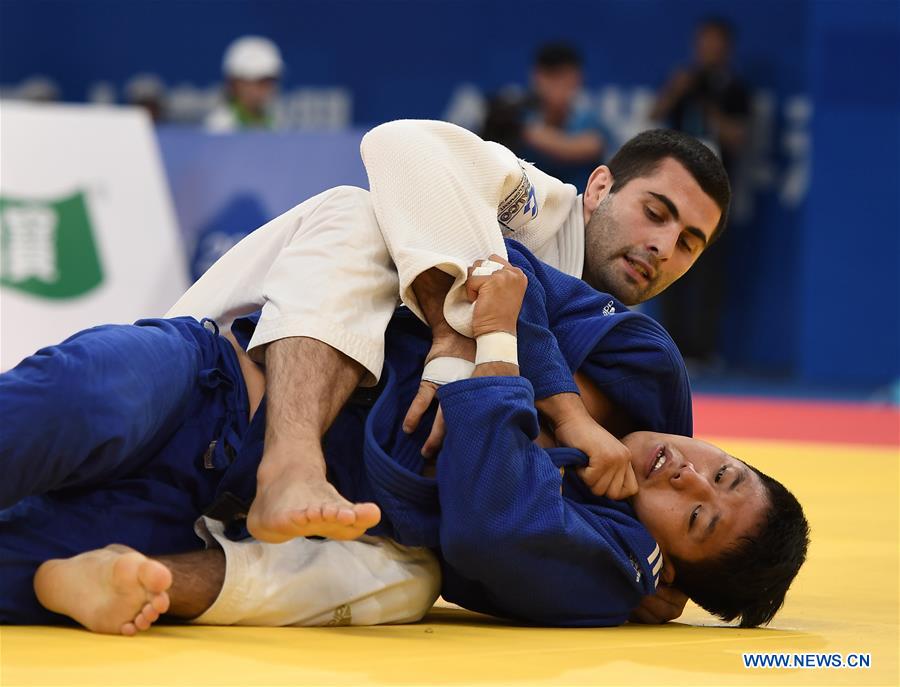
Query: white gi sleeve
[(320, 270), (440, 192), (315, 582)]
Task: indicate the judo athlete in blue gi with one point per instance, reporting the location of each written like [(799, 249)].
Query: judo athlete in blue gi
[(157, 432)]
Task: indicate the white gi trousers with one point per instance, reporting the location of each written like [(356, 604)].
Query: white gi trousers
[(314, 582)]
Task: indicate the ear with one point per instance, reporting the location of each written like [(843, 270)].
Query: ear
[(598, 187), (667, 574)]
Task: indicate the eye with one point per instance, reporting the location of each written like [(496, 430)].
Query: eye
[(651, 214), (694, 515), (721, 472), (685, 244)]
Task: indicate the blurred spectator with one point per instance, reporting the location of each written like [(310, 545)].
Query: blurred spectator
[(252, 67), (551, 126), (147, 91), (709, 101), (38, 89), (504, 117)]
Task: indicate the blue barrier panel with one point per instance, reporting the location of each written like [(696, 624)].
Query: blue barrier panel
[(224, 186), (849, 322)]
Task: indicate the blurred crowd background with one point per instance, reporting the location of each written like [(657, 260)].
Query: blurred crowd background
[(259, 104)]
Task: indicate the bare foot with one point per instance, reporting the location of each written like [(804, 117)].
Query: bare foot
[(114, 590), (294, 503)]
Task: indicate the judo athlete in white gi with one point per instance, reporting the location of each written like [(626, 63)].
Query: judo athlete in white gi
[(327, 274)]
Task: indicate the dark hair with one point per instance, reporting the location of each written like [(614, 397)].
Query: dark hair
[(556, 55), (720, 24), (751, 579), (641, 155)]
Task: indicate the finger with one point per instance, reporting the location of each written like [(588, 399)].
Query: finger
[(436, 437), (588, 475), (470, 294), (641, 615), (593, 472), (601, 486), (660, 610), (473, 267), (473, 286), (631, 484), (503, 261), (625, 484), (419, 405), (671, 595), (617, 486)]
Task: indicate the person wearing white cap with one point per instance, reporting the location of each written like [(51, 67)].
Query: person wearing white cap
[(252, 67)]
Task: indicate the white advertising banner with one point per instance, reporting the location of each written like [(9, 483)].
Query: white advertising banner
[(87, 231)]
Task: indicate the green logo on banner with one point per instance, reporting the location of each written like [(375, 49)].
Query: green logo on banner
[(47, 248)]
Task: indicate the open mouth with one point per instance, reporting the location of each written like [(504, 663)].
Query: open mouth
[(658, 459), (639, 268)]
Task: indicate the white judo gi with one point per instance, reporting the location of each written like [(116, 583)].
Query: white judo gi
[(334, 269)]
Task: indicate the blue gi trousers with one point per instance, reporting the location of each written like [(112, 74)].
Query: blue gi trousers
[(108, 438)]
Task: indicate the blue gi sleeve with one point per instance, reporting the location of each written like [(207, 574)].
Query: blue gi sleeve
[(540, 359), (512, 544)]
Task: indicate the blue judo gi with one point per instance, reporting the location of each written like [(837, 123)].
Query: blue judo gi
[(128, 433)]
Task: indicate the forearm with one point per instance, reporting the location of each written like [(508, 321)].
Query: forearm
[(431, 288), (583, 147), (559, 407), (676, 87)]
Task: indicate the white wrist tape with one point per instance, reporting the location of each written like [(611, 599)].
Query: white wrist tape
[(496, 347), (486, 268), (444, 370)]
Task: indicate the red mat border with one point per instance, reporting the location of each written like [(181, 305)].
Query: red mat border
[(807, 421)]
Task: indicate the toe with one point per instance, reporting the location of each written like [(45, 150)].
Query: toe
[(154, 576), (346, 516), (141, 623), (314, 514), (367, 514), (330, 512), (298, 518), (160, 603), (150, 613), (129, 630)]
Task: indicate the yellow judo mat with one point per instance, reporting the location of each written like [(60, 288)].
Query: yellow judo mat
[(845, 601)]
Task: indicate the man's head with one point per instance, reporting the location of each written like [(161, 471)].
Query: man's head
[(732, 538), (557, 78), (651, 212), (252, 66), (712, 43)]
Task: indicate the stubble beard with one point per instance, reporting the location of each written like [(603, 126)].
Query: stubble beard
[(603, 236)]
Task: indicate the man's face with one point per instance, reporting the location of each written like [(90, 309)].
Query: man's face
[(556, 88), (712, 47), (254, 94), (694, 499), (647, 234)]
